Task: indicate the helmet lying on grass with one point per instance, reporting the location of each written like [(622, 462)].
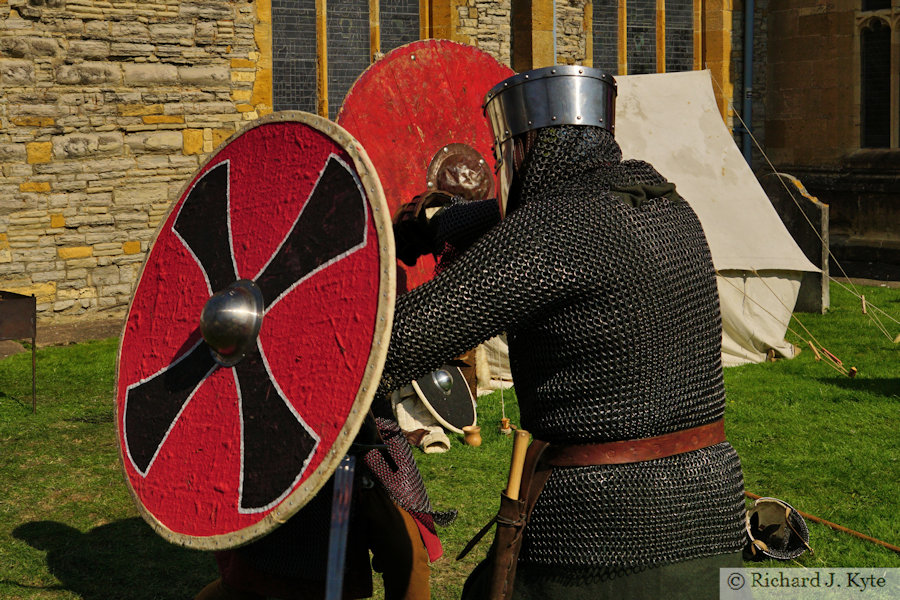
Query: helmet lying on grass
[(775, 530)]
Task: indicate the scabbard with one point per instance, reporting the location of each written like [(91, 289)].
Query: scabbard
[(511, 520), (505, 550)]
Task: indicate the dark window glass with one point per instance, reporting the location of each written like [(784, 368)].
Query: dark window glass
[(641, 15), (294, 55), (679, 35), (399, 23), (347, 25), (605, 35), (875, 4), (875, 96)]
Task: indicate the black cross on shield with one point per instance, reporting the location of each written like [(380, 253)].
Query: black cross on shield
[(276, 442)]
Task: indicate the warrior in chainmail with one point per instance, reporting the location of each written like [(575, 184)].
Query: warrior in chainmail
[(601, 276)]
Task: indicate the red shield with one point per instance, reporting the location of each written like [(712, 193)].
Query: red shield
[(214, 455), (412, 103)]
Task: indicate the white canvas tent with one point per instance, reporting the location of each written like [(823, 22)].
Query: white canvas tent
[(671, 120)]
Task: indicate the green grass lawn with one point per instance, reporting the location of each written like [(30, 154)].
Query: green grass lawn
[(827, 444)]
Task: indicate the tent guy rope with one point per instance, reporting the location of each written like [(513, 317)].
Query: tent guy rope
[(852, 288)]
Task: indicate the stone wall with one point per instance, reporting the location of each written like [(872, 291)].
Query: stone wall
[(572, 32), (483, 24), (811, 116), (812, 126), (107, 109)]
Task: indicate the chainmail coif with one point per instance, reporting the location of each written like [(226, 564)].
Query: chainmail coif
[(612, 316)]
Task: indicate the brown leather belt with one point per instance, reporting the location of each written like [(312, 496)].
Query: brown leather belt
[(629, 451)]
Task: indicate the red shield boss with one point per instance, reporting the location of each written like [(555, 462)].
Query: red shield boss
[(218, 455), (408, 106)]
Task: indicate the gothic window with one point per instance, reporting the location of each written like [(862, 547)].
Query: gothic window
[(658, 36), (679, 35), (605, 32), (348, 48), (641, 37), (353, 37), (879, 79), (399, 23), (294, 55)]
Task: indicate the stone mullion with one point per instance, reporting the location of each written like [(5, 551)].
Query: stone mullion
[(623, 38), (660, 36), (588, 34), (374, 30), (321, 59)]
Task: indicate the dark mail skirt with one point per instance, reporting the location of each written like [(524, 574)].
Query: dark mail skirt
[(696, 579)]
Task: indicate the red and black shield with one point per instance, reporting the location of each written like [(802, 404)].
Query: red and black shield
[(216, 455), (408, 106)]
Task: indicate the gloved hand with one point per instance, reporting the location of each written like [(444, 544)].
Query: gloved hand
[(412, 235)]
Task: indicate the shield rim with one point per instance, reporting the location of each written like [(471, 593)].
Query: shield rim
[(380, 212)]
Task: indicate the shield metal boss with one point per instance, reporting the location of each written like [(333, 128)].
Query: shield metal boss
[(408, 106), (447, 397), (257, 333)]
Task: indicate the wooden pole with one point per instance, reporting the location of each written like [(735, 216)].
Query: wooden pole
[(816, 352)]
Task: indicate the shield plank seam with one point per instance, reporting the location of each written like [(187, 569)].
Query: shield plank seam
[(331, 225)]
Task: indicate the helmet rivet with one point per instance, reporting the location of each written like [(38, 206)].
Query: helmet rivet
[(578, 117), (553, 118)]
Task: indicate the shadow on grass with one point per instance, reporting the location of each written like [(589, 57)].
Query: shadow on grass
[(124, 559), (883, 386), (4, 397)]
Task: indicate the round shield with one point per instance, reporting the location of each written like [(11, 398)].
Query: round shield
[(447, 397), (408, 106), (257, 333)]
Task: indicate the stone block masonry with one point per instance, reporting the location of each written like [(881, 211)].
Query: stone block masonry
[(106, 111), (485, 24)]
